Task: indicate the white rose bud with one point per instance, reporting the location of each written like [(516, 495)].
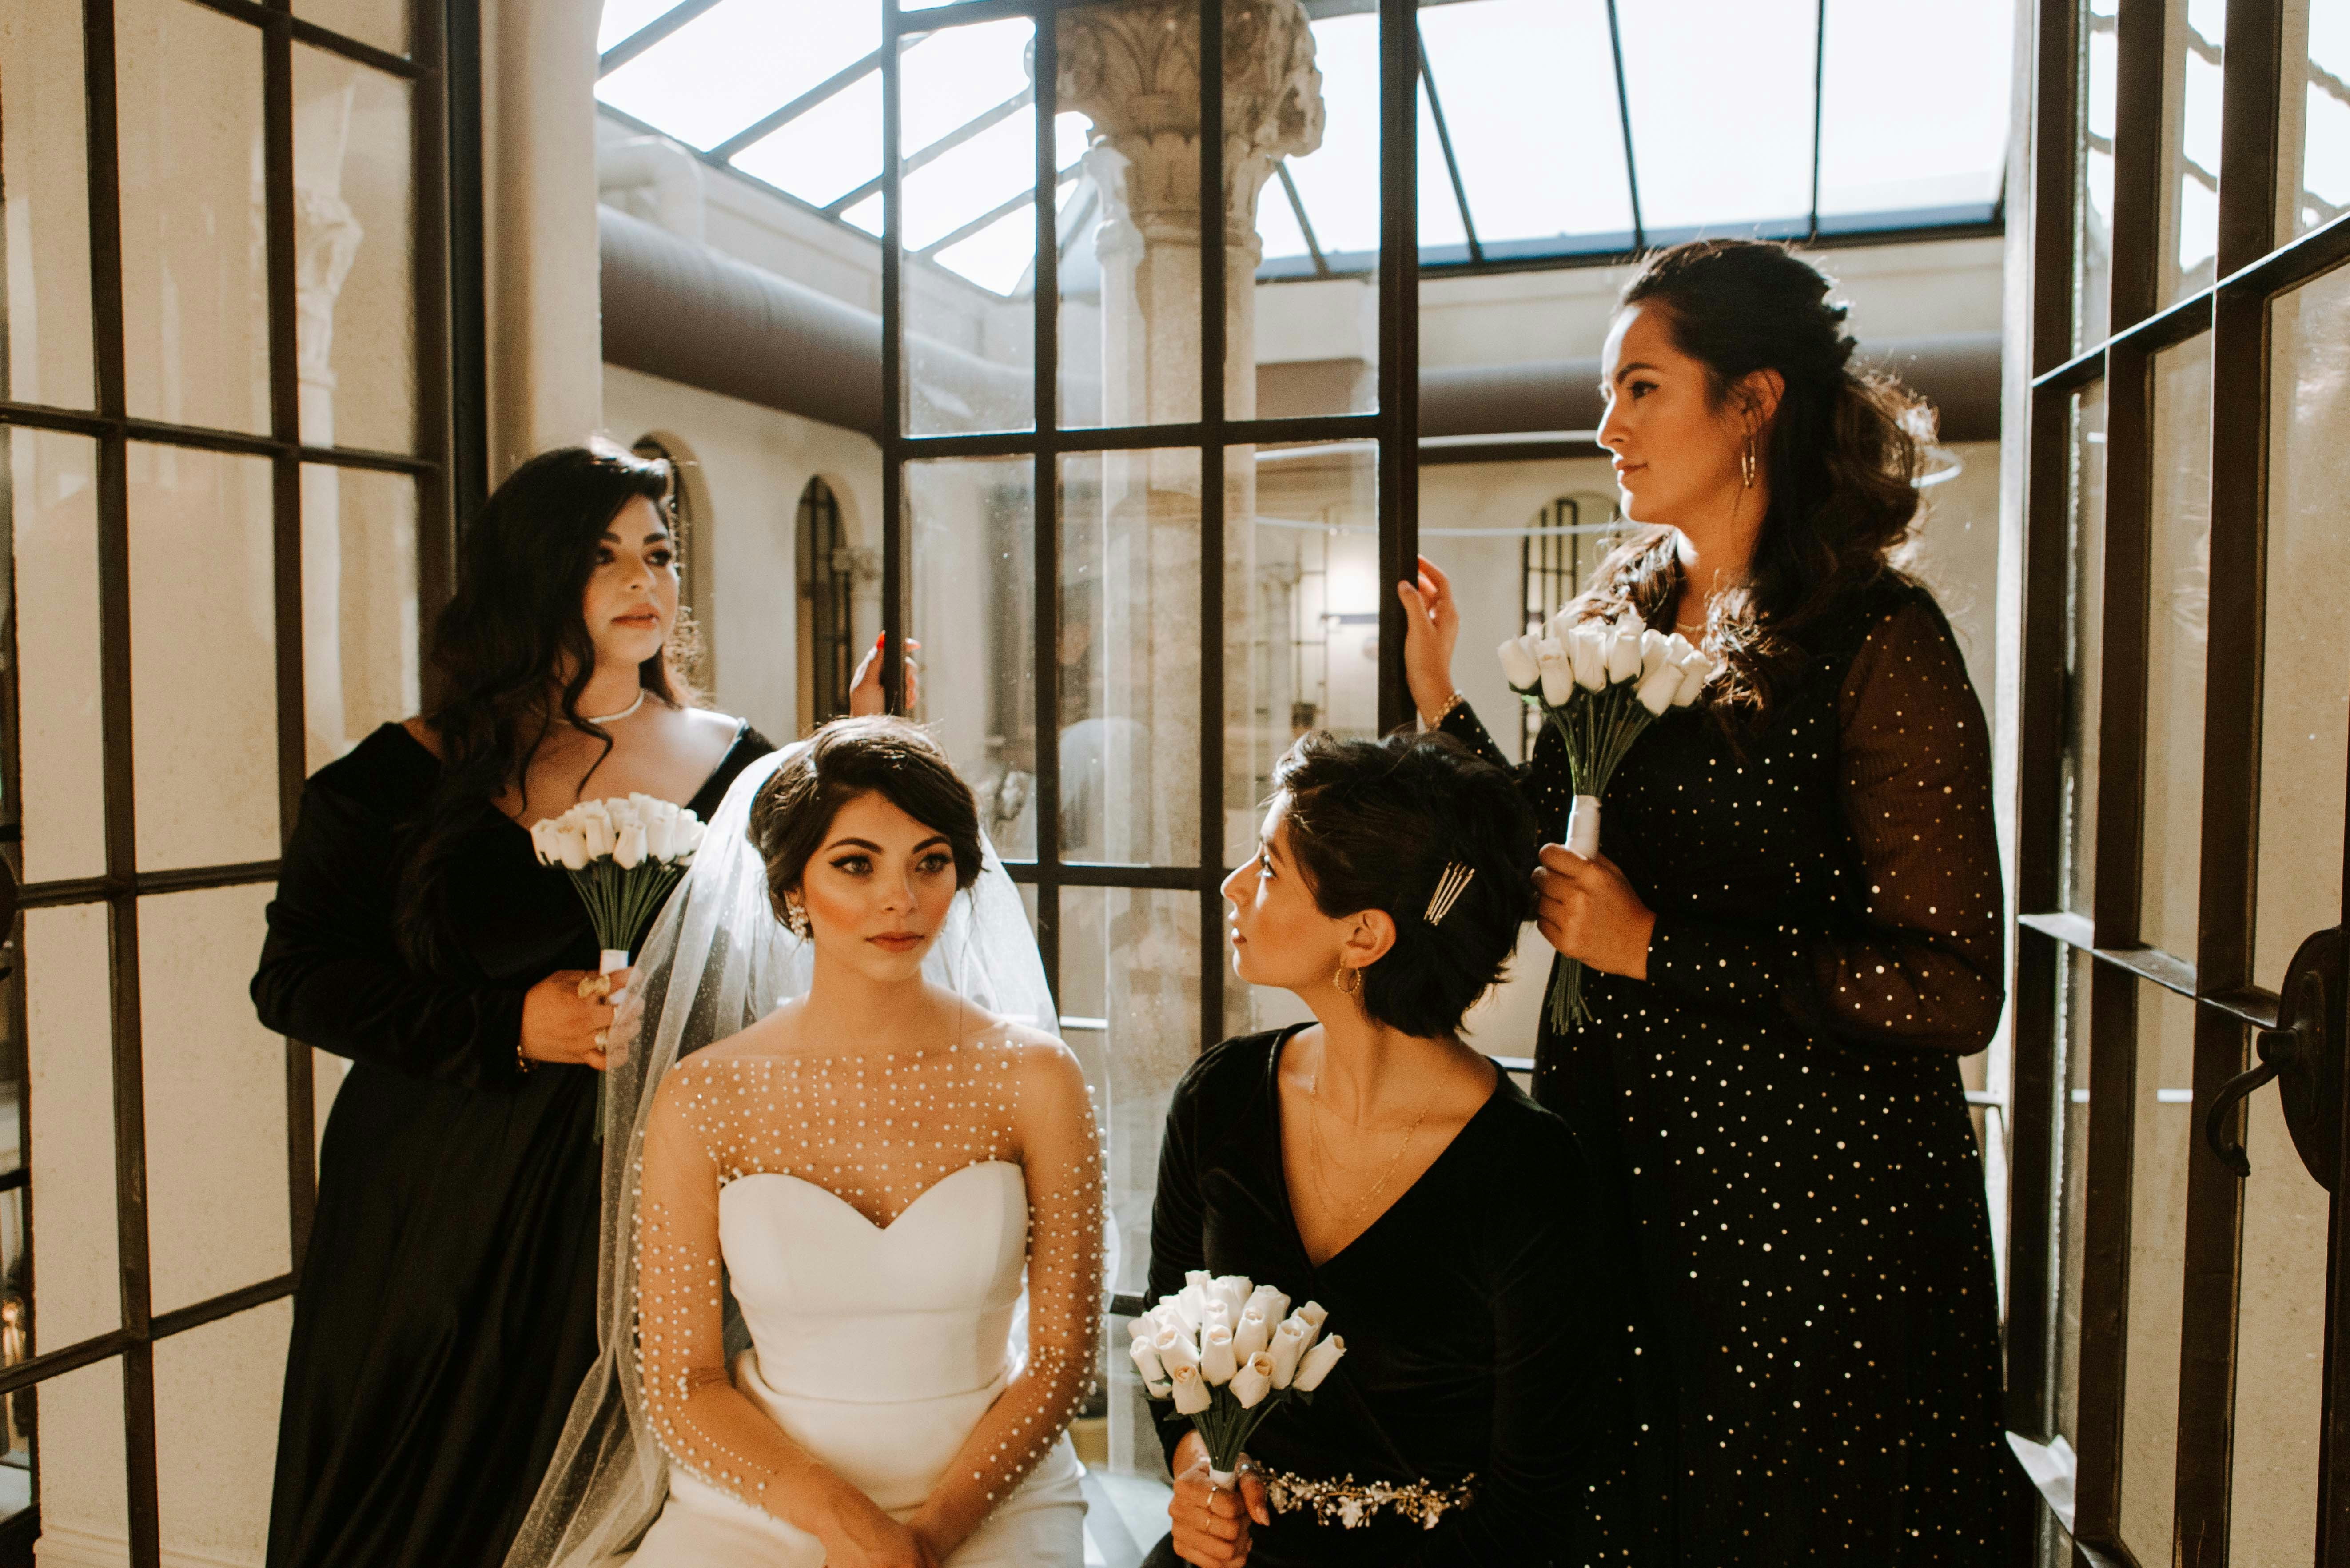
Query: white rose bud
[(1234, 1291), (596, 829), (1561, 623), (1142, 1327), (630, 851), (1176, 1350), (689, 836), (1588, 647), (1677, 648), (1217, 1362), (1696, 670), (1657, 691), (1557, 670), (1253, 1333), (1623, 653), (545, 844), (1656, 652), (660, 837), (1288, 1346), (1318, 1362), (572, 840), (1191, 1390), (1147, 1362), (1253, 1381), (1518, 666), (1215, 1315), (1313, 1314), (1275, 1305)]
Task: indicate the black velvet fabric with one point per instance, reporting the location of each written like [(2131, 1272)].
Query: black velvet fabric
[(1778, 1117), (1481, 1321), (446, 1310)]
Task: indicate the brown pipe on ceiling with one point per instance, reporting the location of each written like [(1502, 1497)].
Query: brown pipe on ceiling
[(686, 313)]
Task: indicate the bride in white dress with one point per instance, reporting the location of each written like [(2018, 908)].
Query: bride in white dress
[(871, 1165)]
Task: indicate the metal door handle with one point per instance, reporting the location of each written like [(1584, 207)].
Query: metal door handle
[(2303, 1054)]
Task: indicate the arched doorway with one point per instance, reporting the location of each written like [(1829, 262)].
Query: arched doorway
[(826, 579)]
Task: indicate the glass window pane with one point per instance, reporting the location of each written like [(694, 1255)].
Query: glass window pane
[(622, 18), (2178, 638), (695, 85), (194, 275), (1520, 74), (360, 665), (1129, 979), (355, 297), (2280, 1347), (970, 146), (45, 202), (823, 153), (381, 23), (972, 544), (2084, 616), (52, 495), (2304, 684), (217, 1390), (203, 658), (2198, 30), (2093, 242), (1129, 719), (2073, 1136), (1442, 237), (2315, 166), (82, 1479), (1339, 181), (1704, 157), (1934, 151), (70, 1041), (2163, 1141), (216, 1182)]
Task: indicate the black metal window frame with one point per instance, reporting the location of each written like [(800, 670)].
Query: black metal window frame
[(2255, 266), (449, 466), (1394, 428)]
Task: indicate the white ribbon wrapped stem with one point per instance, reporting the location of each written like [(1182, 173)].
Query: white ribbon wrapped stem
[(1583, 827), (612, 960)]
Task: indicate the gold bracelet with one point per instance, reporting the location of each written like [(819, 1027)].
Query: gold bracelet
[(1455, 701)]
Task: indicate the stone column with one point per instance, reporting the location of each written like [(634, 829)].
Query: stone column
[(1133, 68)]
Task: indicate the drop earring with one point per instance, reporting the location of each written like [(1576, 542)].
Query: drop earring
[(796, 918), (1747, 465)]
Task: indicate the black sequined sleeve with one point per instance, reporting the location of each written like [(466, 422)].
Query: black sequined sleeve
[(1924, 965)]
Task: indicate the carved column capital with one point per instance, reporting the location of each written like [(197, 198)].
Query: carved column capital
[(1133, 68)]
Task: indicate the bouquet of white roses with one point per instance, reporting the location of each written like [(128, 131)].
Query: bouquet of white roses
[(1228, 1354), (624, 855), (1600, 684)]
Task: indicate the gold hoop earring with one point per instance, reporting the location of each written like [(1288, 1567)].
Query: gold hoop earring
[(1747, 465), (1348, 981)]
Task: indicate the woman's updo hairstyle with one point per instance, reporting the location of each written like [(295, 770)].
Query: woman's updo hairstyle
[(1374, 825), (883, 755), (1841, 457)]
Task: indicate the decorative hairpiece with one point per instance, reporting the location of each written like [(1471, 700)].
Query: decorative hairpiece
[(1449, 889)]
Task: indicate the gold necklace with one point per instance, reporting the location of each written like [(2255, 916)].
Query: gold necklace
[(1321, 1178)]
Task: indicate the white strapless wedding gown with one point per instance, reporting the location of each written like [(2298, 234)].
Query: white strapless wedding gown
[(877, 1349)]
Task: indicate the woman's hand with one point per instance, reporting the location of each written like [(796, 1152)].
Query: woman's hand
[(1211, 1526), (1589, 912), (1431, 626), (858, 1534), (864, 695), (568, 1016)]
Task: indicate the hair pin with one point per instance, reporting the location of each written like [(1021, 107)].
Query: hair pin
[(1449, 889)]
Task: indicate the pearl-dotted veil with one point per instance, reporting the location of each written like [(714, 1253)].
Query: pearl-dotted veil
[(717, 960)]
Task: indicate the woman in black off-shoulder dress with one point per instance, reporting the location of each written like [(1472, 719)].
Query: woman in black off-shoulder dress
[(446, 1309), (1793, 935)]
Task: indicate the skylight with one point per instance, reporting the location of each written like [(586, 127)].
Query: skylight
[(1547, 127)]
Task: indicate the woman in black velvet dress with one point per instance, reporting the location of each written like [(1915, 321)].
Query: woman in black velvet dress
[(1371, 1163), (446, 1310), (1794, 933)]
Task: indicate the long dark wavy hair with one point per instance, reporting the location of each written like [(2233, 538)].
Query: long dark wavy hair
[(511, 655), (1841, 458)]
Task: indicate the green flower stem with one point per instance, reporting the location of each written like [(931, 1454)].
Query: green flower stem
[(621, 903), (1598, 729)]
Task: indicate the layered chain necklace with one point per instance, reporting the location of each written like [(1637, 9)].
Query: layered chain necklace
[(1322, 1157)]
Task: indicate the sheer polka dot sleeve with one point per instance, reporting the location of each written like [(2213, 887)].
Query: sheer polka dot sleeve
[(706, 1427), (1922, 965), (1061, 1156)]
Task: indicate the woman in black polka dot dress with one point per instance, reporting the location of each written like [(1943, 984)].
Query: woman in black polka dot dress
[(1792, 935)]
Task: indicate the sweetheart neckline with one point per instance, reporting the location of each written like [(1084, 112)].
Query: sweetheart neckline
[(878, 1229)]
